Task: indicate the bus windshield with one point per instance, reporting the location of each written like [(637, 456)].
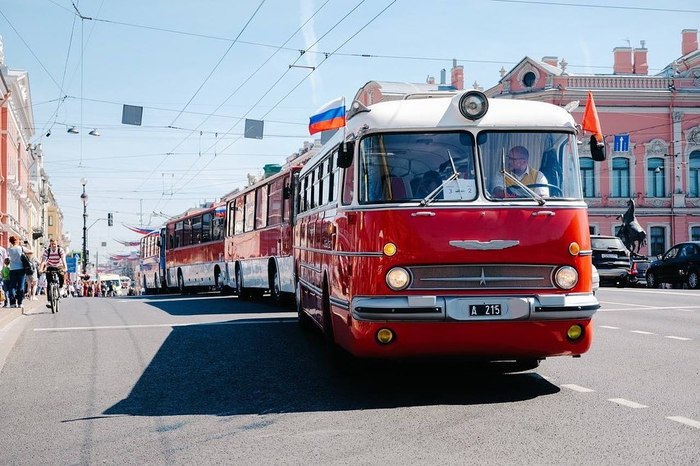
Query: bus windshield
[(529, 165), (405, 167)]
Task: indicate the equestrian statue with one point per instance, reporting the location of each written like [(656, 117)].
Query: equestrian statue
[(631, 232)]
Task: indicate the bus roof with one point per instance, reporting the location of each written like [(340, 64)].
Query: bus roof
[(442, 113)]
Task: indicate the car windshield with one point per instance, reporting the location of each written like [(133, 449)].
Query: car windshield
[(606, 243)]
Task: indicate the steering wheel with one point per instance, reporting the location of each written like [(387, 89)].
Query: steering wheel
[(517, 190)]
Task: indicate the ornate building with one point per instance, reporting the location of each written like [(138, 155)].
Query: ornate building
[(652, 125)]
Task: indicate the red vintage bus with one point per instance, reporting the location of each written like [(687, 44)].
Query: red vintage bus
[(259, 235), (430, 232), (194, 249)]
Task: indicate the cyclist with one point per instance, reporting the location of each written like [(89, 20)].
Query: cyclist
[(53, 260)]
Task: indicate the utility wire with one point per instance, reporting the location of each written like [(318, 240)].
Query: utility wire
[(605, 7)]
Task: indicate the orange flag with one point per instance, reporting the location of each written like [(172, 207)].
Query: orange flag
[(590, 122)]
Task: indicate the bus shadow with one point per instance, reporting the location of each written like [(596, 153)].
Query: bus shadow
[(262, 366), (208, 304)]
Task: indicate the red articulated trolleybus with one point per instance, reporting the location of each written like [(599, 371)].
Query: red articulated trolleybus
[(448, 226), (259, 235), (194, 249)]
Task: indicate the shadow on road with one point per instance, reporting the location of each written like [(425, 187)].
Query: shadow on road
[(265, 365)]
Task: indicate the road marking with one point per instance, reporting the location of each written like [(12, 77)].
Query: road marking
[(642, 332), (668, 292), (629, 404), (239, 320), (677, 338), (577, 388), (609, 326), (636, 307), (685, 420)]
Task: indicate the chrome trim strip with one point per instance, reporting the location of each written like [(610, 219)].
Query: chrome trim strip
[(340, 253), (495, 244), (342, 303), (587, 252), (311, 287), (306, 265)]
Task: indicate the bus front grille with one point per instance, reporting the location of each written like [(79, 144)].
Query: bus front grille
[(481, 277)]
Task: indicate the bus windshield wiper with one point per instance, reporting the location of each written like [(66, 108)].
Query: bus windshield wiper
[(433, 194), (530, 192)]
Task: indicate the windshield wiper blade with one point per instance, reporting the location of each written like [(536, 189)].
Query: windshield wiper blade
[(536, 197), (433, 194)]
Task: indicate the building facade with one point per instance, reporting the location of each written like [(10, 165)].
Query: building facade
[(652, 128)]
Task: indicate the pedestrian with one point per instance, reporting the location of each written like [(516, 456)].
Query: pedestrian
[(32, 278), (6, 281), (17, 273), (41, 285)]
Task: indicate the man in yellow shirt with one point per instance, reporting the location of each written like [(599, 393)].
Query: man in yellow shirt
[(518, 165)]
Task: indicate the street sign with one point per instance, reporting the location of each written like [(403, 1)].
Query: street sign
[(72, 263), (622, 143)]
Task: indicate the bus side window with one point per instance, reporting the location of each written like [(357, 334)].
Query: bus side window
[(348, 183), (331, 176)]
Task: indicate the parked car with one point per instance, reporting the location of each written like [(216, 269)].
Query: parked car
[(679, 265), (595, 278), (612, 259), (638, 274)]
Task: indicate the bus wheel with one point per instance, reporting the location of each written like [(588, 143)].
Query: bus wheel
[(180, 283), (275, 292), (218, 284), (240, 291), (303, 318)]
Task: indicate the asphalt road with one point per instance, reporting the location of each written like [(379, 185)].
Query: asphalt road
[(214, 380)]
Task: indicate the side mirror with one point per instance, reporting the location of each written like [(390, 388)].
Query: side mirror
[(345, 154), (597, 150)]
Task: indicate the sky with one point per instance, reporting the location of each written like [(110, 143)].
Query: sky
[(199, 69)]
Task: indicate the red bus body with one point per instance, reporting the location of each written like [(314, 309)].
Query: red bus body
[(258, 245), (488, 278), (150, 265), (194, 252)]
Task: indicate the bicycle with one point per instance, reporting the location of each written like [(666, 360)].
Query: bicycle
[(54, 292)]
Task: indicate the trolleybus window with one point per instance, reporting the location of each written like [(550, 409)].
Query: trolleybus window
[(545, 162), (414, 166)]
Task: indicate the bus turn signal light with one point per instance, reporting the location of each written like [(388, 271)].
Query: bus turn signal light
[(574, 248), (389, 249), (385, 336), (575, 332)]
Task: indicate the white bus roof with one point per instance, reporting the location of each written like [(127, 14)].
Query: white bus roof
[(441, 113)]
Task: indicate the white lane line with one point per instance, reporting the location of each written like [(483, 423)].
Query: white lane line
[(642, 332), (636, 308), (685, 420), (577, 388), (609, 326), (677, 338), (668, 292), (628, 403), (276, 319)]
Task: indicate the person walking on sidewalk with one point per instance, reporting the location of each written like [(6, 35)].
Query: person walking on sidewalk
[(17, 274), (53, 260), (6, 280), (32, 278)]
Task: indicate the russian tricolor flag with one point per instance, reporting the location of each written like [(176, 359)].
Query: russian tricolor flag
[(220, 211), (330, 116)]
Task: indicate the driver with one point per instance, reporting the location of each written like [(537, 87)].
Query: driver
[(518, 165)]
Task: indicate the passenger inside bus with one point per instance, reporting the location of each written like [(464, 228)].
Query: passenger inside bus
[(428, 183), (518, 165)]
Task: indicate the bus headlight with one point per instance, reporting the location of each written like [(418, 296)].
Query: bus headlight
[(398, 278), (566, 277), (473, 105)]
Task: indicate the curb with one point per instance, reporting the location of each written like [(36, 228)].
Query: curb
[(8, 314)]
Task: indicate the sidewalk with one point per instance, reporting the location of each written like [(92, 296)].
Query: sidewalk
[(8, 314)]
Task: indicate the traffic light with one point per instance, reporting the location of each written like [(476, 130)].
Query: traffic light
[(110, 219)]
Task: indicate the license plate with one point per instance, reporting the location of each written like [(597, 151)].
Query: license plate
[(609, 256), (484, 309)]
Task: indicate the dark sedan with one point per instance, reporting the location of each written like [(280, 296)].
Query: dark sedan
[(678, 266), (612, 259)]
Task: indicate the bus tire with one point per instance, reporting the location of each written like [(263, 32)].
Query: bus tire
[(218, 283), (180, 283), (240, 291), (275, 291), (303, 319)]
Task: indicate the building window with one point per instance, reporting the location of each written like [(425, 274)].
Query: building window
[(587, 177), (50, 220), (529, 79), (620, 177), (656, 179), (657, 240), (694, 233), (694, 172)]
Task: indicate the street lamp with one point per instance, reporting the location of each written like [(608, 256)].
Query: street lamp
[(84, 198)]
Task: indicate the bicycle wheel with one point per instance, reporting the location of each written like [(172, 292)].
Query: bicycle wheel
[(54, 298)]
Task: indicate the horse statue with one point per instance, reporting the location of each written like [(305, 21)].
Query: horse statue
[(631, 232)]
